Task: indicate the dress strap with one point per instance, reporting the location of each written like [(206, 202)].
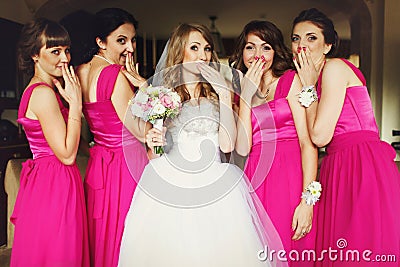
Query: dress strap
[(106, 82), (354, 68), (284, 84), (26, 96), (356, 71)]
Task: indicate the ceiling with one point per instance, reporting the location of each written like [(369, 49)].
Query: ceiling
[(158, 17)]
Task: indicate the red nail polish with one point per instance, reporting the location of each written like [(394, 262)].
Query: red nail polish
[(304, 49), (262, 57), (256, 58), (298, 49)]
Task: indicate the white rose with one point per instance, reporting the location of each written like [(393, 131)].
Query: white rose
[(158, 109)]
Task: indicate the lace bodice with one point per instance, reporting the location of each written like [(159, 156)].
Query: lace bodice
[(198, 121)]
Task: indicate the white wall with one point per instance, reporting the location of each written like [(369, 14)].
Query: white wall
[(385, 69), (391, 71)]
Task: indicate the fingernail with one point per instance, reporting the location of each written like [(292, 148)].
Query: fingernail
[(262, 57), (294, 58), (298, 49), (256, 58), (304, 48), (122, 68)]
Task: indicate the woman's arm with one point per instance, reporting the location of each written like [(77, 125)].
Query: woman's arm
[(323, 115), (227, 125), (62, 138), (302, 218), (245, 131), (249, 85), (120, 99)]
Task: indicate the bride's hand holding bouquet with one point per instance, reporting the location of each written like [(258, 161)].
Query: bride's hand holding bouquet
[(155, 104)]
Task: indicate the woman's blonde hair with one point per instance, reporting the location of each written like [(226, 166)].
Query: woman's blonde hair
[(176, 52)]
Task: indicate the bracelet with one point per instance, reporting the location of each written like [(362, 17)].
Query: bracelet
[(312, 193), (308, 95), (70, 118)]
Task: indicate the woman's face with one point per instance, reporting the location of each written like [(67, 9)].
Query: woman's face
[(254, 48), (51, 60), (197, 49), (119, 43), (307, 35)]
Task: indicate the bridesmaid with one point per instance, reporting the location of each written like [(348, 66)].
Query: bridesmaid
[(282, 161), (49, 214), (360, 207), (110, 182)]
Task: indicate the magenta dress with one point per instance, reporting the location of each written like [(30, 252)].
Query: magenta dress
[(49, 213), (116, 163), (274, 166), (360, 202)]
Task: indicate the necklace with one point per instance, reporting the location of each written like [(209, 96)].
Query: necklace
[(104, 59), (260, 96), (264, 97)]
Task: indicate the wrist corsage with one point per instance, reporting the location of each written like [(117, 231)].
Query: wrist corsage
[(308, 95), (312, 193)]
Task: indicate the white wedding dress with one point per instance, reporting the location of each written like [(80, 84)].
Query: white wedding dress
[(190, 209)]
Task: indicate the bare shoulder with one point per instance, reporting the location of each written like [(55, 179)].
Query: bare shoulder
[(83, 70), (335, 64), (42, 96), (337, 69), (43, 99)]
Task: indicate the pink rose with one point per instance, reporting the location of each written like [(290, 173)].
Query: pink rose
[(166, 101)]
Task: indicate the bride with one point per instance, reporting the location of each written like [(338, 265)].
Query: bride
[(189, 208)]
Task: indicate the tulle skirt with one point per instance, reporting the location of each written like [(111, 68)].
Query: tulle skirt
[(207, 217), (360, 203), (50, 216)]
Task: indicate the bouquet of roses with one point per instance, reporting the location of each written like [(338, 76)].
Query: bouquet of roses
[(154, 104)]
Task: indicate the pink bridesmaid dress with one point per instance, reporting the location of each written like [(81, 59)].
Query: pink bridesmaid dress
[(360, 201), (274, 167), (115, 165), (49, 214)]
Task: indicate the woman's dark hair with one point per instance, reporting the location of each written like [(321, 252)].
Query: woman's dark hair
[(320, 20), (36, 34), (105, 22), (268, 32)]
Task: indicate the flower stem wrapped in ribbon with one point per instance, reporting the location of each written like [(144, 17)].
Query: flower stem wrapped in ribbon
[(312, 193), (155, 104), (307, 96)]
